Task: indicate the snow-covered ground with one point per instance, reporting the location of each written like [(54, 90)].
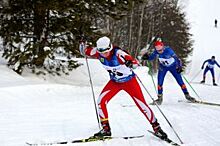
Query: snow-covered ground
[(45, 109), (201, 15)]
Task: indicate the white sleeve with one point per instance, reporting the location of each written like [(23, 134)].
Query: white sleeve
[(121, 55)]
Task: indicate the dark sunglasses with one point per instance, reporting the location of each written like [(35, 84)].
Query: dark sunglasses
[(103, 50)]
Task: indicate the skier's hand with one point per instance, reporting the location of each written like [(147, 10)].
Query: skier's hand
[(179, 69), (82, 47), (145, 56), (144, 50), (202, 67), (129, 63)]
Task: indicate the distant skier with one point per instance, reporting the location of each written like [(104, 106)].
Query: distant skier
[(210, 67), (168, 61), (216, 22), (118, 63)]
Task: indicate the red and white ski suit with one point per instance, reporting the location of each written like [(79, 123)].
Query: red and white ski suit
[(121, 78)]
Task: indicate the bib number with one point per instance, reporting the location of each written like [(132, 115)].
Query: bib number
[(210, 66), (114, 73), (166, 62)]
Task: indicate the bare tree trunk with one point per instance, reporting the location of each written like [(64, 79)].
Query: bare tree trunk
[(108, 24), (130, 27), (140, 30)]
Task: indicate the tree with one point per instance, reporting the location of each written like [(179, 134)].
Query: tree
[(35, 32), (154, 18), (174, 31)]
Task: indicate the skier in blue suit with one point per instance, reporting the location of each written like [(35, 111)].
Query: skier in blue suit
[(168, 61), (210, 67)]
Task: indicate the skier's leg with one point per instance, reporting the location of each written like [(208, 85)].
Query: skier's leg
[(106, 95), (133, 89), (204, 75), (179, 80), (213, 76), (160, 79)]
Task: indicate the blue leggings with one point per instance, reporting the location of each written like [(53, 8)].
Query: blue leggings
[(161, 74), (211, 70)]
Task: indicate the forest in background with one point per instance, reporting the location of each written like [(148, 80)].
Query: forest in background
[(29, 26)]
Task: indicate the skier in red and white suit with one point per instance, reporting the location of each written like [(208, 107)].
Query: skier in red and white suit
[(118, 63)]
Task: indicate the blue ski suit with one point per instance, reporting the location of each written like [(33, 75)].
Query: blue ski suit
[(210, 67), (168, 61)]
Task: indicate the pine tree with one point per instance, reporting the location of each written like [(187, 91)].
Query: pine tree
[(35, 32), (168, 21), (175, 32)]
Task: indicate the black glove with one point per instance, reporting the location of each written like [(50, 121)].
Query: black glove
[(129, 63), (202, 67), (179, 69), (145, 56)]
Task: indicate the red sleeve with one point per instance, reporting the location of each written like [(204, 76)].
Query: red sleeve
[(91, 52), (123, 56)]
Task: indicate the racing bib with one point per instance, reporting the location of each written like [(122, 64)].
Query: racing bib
[(210, 65), (166, 62)]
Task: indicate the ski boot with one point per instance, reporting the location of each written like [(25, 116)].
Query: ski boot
[(214, 84), (159, 100), (202, 82), (158, 131), (106, 131), (190, 98)]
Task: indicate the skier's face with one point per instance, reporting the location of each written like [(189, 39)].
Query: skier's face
[(106, 54), (159, 49)]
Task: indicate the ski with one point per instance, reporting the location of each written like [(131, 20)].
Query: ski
[(201, 102), (206, 84), (166, 140), (84, 140)]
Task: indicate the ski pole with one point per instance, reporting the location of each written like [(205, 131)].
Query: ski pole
[(159, 108), (151, 74), (148, 46), (195, 75), (91, 85), (81, 46), (191, 87)]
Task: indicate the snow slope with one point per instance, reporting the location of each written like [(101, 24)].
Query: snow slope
[(45, 109), (35, 111), (201, 15)]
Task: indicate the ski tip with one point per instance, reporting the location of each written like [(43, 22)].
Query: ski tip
[(168, 140), (27, 143)]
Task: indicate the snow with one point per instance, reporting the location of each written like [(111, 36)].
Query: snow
[(47, 108), (201, 15), (46, 48)]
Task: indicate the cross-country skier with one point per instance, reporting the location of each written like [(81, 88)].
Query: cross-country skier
[(216, 22), (118, 63), (168, 61), (210, 67)]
